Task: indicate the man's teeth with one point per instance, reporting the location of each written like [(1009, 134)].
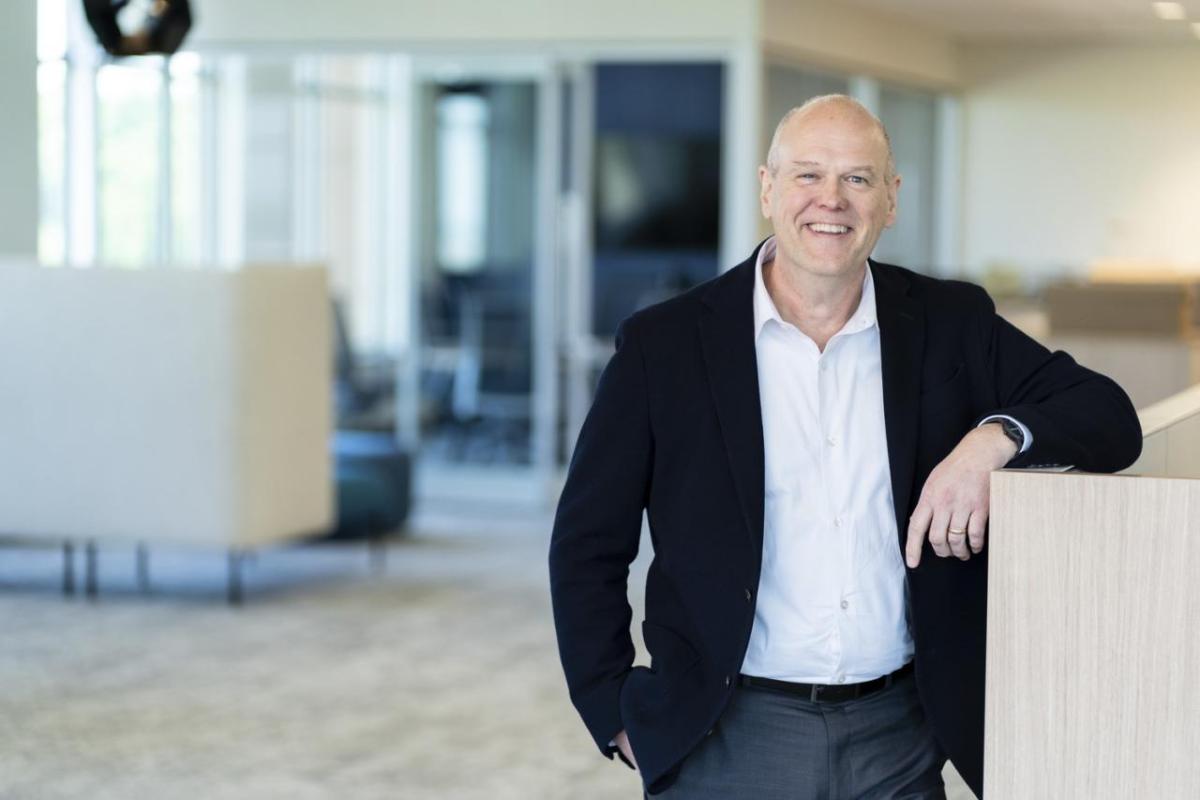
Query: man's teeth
[(821, 227)]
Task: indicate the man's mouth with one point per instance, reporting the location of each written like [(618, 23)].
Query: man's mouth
[(828, 228)]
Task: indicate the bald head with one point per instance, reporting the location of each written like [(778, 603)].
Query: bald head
[(830, 189), (829, 106)]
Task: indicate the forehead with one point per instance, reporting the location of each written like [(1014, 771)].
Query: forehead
[(833, 135)]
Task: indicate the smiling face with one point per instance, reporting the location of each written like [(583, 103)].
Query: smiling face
[(827, 189)]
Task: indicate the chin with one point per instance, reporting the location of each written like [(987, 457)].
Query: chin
[(832, 268), (825, 264)]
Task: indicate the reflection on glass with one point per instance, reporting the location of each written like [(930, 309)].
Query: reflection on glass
[(129, 120), (788, 87), (187, 179), (269, 158), (657, 184), (51, 84), (476, 278), (350, 176), (462, 123), (911, 119)]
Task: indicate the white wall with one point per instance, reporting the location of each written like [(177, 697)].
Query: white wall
[(1081, 153), (18, 133), (459, 21)]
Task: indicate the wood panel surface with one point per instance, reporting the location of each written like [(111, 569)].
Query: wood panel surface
[(1093, 637)]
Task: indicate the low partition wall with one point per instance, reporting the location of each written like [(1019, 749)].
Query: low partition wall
[(1093, 640), (168, 405), (1171, 447)]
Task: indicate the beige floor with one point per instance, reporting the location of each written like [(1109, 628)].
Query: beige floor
[(437, 679)]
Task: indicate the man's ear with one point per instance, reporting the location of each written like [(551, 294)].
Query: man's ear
[(893, 197), (765, 181)]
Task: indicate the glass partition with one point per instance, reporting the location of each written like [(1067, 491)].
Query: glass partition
[(476, 269), (657, 184), (911, 117)]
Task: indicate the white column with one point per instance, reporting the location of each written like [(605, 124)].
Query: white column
[(745, 82)]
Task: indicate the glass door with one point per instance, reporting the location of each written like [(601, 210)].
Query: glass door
[(643, 203), (482, 395)]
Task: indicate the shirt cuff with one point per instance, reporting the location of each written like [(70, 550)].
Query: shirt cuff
[(1026, 442)]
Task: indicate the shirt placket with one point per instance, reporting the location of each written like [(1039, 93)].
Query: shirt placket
[(829, 399)]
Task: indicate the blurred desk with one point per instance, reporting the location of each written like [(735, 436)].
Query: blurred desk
[(1142, 335)]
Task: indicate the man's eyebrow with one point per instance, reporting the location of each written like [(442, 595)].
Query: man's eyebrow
[(809, 164)]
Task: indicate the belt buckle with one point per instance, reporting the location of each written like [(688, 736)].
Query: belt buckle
[(814, 696)]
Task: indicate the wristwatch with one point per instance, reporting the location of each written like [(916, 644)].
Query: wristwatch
[(1013, 431)]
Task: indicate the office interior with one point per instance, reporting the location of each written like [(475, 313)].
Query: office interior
[(303, 320)]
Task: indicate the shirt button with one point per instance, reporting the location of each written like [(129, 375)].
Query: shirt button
[(841, 679), (845, 604), (830, 440), (837, 522)]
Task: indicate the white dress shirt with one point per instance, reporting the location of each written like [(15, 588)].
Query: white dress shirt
[(831, 597)]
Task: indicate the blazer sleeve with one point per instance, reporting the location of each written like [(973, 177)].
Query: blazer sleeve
[(1077, 417), (596, 532)]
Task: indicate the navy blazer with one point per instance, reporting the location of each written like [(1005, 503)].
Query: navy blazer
[(676, 430)]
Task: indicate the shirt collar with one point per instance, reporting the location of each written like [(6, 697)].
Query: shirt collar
[(765, 309)]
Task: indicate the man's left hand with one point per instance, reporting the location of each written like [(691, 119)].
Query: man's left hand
[(953, 508)]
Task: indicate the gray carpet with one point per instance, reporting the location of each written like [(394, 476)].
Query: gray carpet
[(436, 679)]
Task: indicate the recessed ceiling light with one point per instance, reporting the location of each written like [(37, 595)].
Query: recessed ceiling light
[(1196, 29), (1170, 11)]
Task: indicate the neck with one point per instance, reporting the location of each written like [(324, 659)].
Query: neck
[(818, 305)]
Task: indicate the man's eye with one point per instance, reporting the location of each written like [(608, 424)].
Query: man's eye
[(859, 179), (807, 176)]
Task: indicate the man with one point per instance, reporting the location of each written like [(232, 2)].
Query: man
[(811, 436)]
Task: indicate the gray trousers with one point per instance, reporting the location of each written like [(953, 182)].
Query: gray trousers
[(769, 746)]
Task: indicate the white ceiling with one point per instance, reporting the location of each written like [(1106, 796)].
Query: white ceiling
[(1041, 20)]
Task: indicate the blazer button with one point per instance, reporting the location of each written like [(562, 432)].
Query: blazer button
[(748, 596), (728, 681)]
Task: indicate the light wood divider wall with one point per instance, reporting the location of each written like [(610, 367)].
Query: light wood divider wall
[(1171, 431), (1093, 665)]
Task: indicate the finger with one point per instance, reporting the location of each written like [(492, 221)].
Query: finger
[(937, 532), (918, 523), (977, 530), (956, 534)]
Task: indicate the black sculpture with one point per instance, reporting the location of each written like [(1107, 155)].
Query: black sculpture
[(139, 27)]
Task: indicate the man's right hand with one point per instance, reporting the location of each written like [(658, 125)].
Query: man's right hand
[(621, 740)]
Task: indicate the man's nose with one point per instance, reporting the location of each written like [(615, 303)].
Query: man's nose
[(831, 194)]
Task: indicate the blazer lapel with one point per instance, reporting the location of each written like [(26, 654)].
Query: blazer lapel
[(902, 349), (727, 341)]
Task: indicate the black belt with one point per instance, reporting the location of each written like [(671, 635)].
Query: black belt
[(826, 693)]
